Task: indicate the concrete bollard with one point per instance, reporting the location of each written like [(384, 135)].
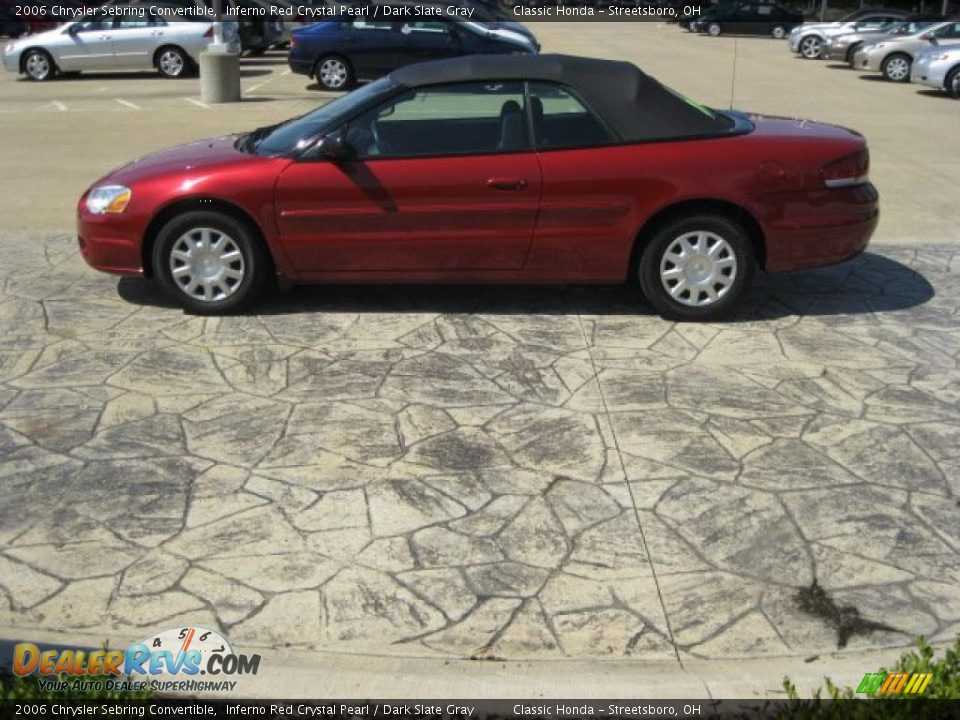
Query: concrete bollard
[(219, 77)]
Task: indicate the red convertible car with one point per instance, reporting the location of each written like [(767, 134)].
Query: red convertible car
[(501, 169)]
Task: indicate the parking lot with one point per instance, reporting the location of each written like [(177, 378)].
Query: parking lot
[(485, 472)]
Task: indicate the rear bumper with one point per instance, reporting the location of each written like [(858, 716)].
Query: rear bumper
[(821, 228), (300, 65), (836, 52)]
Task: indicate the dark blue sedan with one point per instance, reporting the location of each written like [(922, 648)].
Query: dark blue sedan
[(340, 52)]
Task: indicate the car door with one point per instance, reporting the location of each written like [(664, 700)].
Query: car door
[(135, 40), (441, 179), (949, 34), (87, 45), (743, 20), (430, 40), (374, 47)]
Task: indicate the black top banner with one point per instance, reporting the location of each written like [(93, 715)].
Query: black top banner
[(530, 709)]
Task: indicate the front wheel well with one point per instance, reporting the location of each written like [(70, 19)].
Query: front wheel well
[(688, 208), (190, 205), (27, 51)]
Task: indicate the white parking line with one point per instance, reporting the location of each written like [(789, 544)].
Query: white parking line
[(54, 105), (250, 90), (127, 103), (287, 71), (197, 103)]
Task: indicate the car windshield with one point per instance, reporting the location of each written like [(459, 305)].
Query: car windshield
[(288, 136)]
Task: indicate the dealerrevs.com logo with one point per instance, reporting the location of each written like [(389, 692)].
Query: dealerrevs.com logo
[(189, 659)]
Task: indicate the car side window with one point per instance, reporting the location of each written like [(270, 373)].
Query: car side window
[(949, 31), (136, 24), (372, 25), (453, 119), (436, 28), (93, 25), (560, 120)]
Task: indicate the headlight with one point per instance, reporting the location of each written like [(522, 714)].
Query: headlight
[(108, 199)]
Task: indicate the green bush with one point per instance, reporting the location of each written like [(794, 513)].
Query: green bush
[(944, 685)]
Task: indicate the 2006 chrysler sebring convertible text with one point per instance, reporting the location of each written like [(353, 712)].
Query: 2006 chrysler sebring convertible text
[(491, 169)]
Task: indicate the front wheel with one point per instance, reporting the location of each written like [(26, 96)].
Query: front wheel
[(714, 29), (952, 82), (333, 73), (210, 263), (810, 47), (896, 68), (779, 32), (39, 65), (696, 268)]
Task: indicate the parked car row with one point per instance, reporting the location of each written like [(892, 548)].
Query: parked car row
[(747, 18), (901, 47)]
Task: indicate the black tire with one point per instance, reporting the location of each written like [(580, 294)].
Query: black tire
[(253, 264), (334, 73), (668, 238), (714, 29), (38, 65), (173, 62), (952, 82), (851, 51), (779, 32), (892, 67)]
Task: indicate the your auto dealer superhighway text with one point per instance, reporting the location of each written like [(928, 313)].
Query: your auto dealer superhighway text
[(379, 710)]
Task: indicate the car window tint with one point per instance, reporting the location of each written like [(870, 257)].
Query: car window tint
[(452, 119), (949, 31), (764, 10), (560, 120), (93, 25)]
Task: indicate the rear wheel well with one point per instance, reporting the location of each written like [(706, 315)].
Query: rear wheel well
[(688, 208), (189, 205)]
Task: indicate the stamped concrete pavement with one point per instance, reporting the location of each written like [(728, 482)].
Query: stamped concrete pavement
[(485, 472)]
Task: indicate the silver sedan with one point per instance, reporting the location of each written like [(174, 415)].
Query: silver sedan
[(172, 48), (893, 56), (939, 68)]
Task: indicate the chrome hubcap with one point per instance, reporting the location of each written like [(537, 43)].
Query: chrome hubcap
[(38, 66), (778, 32), (810, 47), (333, 73), (897, 69), (714, 30), (206, 264), (171, 62), (698, 268)]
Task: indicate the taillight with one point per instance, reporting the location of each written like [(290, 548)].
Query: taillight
[(847, 171), (293, 41), (209, 32)]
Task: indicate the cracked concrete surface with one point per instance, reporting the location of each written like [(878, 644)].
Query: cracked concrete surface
[(485, 472)]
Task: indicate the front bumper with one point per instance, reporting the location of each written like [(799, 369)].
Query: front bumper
[(111, 243), (867, 61), (932, 74), (836, 52), (11, 61)]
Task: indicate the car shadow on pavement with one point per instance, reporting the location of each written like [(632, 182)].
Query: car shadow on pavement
[(868, 284)]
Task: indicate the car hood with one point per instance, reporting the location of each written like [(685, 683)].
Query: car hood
[(191, 159)]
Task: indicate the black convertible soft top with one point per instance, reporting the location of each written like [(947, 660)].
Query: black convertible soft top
[(634, 105)]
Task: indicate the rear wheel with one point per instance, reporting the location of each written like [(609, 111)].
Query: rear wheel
[(811, 47), (38, 65), (696, 268), (779, 32), (714, 29), (209, 262), (896, 68), (172, 62), (334, 73)]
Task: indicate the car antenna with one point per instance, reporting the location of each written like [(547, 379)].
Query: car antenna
[(733, 73)]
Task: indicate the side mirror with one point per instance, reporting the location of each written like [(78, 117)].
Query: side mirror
[(334, 147)]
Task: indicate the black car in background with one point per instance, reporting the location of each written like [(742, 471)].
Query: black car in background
[(340, 52), (748, 18)]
